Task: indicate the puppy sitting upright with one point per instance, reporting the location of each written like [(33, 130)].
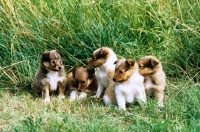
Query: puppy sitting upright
[(81, 81), (128, 85), (154, 77), (50, 75), (103, 58)]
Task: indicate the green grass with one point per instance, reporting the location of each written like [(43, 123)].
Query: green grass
[(132, 28)]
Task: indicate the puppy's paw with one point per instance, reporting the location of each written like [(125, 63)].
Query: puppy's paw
[(71, 100), (95, 96), (61, 96), (47, 100), (82, 95), (161, 105)]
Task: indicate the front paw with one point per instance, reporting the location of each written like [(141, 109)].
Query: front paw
[(47, 100), (61, 96), (82, 95)]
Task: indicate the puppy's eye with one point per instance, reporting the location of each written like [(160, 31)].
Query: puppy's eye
[(121, 72), (52, 62), (140, 66), (83, 81)]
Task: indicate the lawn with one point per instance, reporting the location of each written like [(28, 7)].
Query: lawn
[(169, 30)]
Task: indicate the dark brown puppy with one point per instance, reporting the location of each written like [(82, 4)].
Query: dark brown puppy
[(81, 81), (50, 75)]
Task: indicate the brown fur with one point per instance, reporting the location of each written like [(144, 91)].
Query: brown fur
[(124, 70), (82, 79), (154, 77), (51, 69), (99, 57)]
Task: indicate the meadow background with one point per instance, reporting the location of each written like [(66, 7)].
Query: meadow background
[(170, 30)]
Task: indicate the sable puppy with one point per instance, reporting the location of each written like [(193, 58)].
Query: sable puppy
[(154, 77), (128, 85), (81, 81), (103, 58), (50, 75)]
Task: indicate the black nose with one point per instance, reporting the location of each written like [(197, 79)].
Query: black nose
[(60, 68), (79, 90), (114, 79)]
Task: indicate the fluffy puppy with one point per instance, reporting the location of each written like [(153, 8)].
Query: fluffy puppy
[(128, 85), (154, 77), (81, 81), (50, 75), (103, 58)]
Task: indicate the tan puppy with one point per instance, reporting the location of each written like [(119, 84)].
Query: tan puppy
[(154, 77), (50, 75), (128, 85), (103, 58), (80, 82)]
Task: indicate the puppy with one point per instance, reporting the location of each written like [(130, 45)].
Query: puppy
[(128, 85), (103, 58), (50, 75), (154, 77), (81, 81)]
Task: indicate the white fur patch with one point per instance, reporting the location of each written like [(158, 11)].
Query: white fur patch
[(106, 100), (47, 100), (103, 79), (129, 90), (148, 84), (53, 79)]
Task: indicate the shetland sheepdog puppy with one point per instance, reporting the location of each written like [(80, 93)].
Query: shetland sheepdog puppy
[(103, 59), (128, 85), (50, 75), (154, 77)]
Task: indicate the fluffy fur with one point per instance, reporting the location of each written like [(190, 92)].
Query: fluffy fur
[(128, 85), (80, 82), (154, 77), (50, 75), (103, 58)]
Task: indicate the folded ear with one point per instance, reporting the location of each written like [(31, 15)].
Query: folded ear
[(91, 72), (60, 53), (102, 52), (73, 72), (154, 62), (45, 56), (130, 62)]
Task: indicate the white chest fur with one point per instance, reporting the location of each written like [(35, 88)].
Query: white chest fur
[(103, 78), (148, 83), (53, 79)]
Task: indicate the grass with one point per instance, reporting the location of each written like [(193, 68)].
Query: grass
[(167, 29)]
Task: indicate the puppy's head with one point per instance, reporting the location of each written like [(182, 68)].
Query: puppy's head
[(124, 69), (100, 56), (148, 65), (51, 60), (83, 78)]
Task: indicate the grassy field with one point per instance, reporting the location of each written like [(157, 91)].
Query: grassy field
[(170, 30)]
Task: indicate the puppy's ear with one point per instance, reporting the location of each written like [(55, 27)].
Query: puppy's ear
[(116, 61), (130, 62), (60, 53), (154, 62), (73, 72), (91, 72), (102, 53), (45, 56)]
